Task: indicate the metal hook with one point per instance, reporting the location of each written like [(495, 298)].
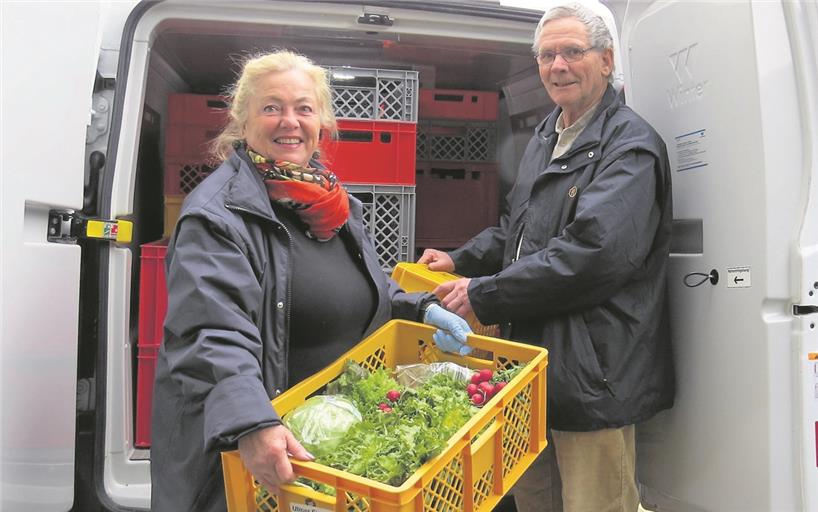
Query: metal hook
[(713, 277)]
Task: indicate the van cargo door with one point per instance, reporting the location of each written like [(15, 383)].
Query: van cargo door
[(49, 56), (730, 87)]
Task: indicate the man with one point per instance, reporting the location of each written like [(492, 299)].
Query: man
[(578, 264)]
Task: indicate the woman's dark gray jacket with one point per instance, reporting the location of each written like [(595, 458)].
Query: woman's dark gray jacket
[(593, 233), (225, 349)]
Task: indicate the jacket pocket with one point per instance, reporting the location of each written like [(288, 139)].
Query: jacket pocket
[(589, 372)]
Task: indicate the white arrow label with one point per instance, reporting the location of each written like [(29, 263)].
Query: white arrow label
[(739, 277)]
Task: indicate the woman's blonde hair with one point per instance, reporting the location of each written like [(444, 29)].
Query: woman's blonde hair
[(257, 67)]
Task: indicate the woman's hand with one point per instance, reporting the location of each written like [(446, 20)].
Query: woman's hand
[(452, 330), (265, 454), (436, 260)]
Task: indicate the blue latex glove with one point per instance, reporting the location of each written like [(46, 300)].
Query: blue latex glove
[(452, 330)]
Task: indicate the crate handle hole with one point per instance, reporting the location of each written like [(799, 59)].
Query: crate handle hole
[(450, 97), (348, 136), (454, 174)]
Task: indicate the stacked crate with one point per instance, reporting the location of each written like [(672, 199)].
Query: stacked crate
[(457, 174), (374, 152), (193, 121)]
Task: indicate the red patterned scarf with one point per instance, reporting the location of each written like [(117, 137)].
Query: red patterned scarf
[(315, 195)]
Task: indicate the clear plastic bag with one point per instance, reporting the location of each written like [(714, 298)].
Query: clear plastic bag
[(413, 375)]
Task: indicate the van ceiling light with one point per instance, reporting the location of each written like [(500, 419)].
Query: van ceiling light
[(342, 76)]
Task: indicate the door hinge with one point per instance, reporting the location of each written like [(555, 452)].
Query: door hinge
[(68, 226)]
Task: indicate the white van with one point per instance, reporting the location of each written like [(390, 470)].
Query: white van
[(730, 85)]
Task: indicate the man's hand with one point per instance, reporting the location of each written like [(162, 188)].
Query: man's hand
[(436, 260), (454, 295), (264, 453)]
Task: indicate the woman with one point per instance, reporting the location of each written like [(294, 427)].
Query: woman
[(271, 277)]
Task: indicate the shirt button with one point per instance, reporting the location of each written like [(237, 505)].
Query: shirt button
[(590, 154), (564, 166), (280, 305)]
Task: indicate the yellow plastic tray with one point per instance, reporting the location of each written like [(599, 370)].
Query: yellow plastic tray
[(478, 466), (416, 277)]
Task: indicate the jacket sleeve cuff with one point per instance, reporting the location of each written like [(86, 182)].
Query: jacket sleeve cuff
[(236, 406), (483, 297)]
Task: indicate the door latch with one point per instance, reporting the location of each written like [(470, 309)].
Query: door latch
[(68, 226), (382, 20)]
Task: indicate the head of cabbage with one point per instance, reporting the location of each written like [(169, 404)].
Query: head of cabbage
[(321, 422)]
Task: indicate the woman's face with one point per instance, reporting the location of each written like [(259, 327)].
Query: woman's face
[(283, 122)]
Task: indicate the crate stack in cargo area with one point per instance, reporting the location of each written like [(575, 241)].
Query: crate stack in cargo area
[(457, 182), (374, 152), (193, 121)]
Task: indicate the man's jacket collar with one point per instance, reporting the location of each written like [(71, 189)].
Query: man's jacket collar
[(546, 131)]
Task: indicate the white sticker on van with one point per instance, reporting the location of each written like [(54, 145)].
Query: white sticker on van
[(691, 150), (739, 277)]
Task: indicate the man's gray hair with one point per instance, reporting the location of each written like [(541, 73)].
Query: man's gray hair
[(598, 34)]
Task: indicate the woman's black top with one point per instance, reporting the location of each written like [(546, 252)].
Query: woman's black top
[(332, 301)]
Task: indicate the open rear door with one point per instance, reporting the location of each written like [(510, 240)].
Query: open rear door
[(49, 57), (730, 87)]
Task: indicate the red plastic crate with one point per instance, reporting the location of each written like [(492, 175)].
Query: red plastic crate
[(458, 104), (153, 305), (379, 152), (189, 142), (146, 368), (455, 201), (153, 293), (201, 109), (193, 121), (182, 176)]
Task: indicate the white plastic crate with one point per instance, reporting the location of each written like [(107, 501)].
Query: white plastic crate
[(456, 141), (379, 94), (389, 215)]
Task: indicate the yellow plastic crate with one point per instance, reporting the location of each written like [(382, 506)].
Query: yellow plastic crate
[(479, 464), (416, 277), (173, 207)]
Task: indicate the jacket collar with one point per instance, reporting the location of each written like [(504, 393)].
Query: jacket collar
[(592, 134), (246, 189)]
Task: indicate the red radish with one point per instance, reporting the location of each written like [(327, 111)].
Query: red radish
[(471, 389), (386, 409), (475, 378), (498, 386), (486, 375), (393, 395), (382, 406), (487, 388), (478, 399)]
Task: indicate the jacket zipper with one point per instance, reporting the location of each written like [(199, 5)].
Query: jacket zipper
[(289, 289), (519, 244)]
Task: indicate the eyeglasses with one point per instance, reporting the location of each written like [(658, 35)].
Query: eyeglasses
[(569, 54)]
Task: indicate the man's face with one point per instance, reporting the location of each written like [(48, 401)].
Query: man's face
[(574, 86)]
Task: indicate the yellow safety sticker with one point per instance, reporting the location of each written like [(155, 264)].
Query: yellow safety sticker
[(120, 231)]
